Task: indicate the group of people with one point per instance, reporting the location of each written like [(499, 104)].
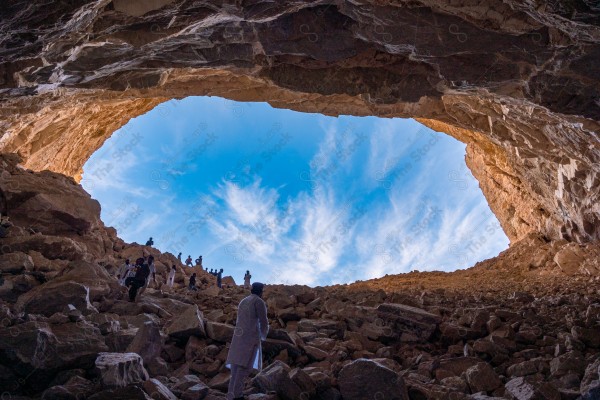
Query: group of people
[(188, 261), (137, 276), (245, 352)]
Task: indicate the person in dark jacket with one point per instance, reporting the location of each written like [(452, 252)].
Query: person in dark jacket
[(142, 272), (192, 285), (219, 277)]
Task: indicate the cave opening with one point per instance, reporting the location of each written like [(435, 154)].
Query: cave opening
[(295, 197)]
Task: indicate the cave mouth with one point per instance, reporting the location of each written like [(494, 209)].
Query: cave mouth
[(296, 198)]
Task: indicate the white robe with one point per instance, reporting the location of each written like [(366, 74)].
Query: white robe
[(251, 327)]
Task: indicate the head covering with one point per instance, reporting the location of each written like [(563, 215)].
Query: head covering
[(257, 288)]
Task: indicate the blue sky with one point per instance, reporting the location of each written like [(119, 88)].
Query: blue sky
[(292, 197)]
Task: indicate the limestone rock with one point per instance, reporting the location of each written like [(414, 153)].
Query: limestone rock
[(190, 322), (117, 370), (482, 378), (53, 297), (157, 390), (364, 378)]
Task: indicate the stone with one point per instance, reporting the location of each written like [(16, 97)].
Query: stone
[(15, 263), (567, 363), (184, 383), (364, 378), (52, 297), (315, 353), (130, 392), (420, 322), (569, 259), (527, 388), (482, 378), (147, 342), (118, 370), (157, 390), (276, 378), (327, 327), (220, 332), (189, 323), (195, 392), (589, 336)]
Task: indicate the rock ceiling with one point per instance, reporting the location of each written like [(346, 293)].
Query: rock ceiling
[(518, 82)]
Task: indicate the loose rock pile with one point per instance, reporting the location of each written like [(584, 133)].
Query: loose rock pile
[(524, 325)]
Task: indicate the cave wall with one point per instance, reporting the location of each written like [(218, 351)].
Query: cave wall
[(517, 82)]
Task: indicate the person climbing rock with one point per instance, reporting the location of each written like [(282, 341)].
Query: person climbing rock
[(245, 352), (192, 285), (142, 272), (171, 280), (122, 272), (152, 269)]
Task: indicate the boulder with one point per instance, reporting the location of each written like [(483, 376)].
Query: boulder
[(147, 342), (362, 379), (157, 390), (568, 363), (15, 263), (220, 332), (53, 297), (120, 369), (589, 336), (188, 323), (327, 327), (569, 258), (195, 392), (276, 378), (406, 318), (530, 388), (482, 378)]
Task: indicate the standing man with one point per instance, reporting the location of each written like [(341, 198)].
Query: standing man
[(245, 352), (179, 256), (188, 261), (152, 269), (247, 278), (219, 277)]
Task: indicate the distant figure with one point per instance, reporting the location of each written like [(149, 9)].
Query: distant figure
[(192, 285), (219, 277), (179, 257), (211, 272), (142, 272), (247, 278), (150, 242), (199, 261), (188, 261), (171, 280), (245, 352), (122, 272), (152, 269), (206, 269)]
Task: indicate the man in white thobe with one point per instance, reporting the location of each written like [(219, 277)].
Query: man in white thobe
[(245, 353)]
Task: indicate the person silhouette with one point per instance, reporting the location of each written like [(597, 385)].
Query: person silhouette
[(150, 242), (219, 277), (247, 278), (245, 352)]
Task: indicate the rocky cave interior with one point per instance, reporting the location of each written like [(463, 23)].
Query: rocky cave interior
[(517, 82)]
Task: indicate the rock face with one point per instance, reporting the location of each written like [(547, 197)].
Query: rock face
[(516, 81)]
